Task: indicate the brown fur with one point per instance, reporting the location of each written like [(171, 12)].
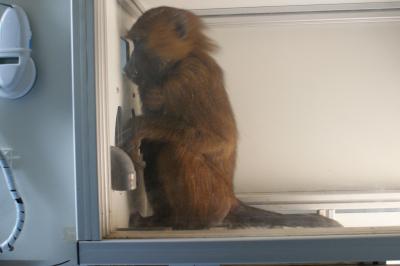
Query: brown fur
[(188, 128)]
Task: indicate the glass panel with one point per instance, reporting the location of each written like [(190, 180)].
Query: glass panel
[(315, 101)]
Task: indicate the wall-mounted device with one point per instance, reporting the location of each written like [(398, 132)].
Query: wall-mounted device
[(17, 76), (17, 69)]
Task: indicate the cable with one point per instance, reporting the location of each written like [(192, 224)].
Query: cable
[(19, 205)]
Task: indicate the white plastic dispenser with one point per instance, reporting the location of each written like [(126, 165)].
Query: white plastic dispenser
[(17, 69)]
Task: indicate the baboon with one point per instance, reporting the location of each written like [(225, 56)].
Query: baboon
[(188, 133)]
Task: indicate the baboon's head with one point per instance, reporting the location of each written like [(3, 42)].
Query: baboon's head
[(162, 37)]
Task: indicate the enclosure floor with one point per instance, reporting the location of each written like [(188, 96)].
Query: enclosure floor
[(131, 233)]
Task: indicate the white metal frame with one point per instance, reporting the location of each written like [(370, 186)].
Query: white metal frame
[(92, 147), (102, 120), (285, 8), (315, 201)]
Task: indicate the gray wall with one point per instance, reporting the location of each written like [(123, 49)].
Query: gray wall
[(39, 128)]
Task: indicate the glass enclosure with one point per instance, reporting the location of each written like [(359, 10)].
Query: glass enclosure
[(316, 102)]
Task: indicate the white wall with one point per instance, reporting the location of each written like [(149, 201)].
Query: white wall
[(39, 128), (317, 102)]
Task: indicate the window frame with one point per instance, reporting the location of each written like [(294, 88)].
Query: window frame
[(92, 249)]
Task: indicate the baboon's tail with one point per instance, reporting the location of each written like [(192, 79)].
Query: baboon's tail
[(243, 215)]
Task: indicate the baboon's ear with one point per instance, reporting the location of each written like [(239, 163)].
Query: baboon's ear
[(181, 26)]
